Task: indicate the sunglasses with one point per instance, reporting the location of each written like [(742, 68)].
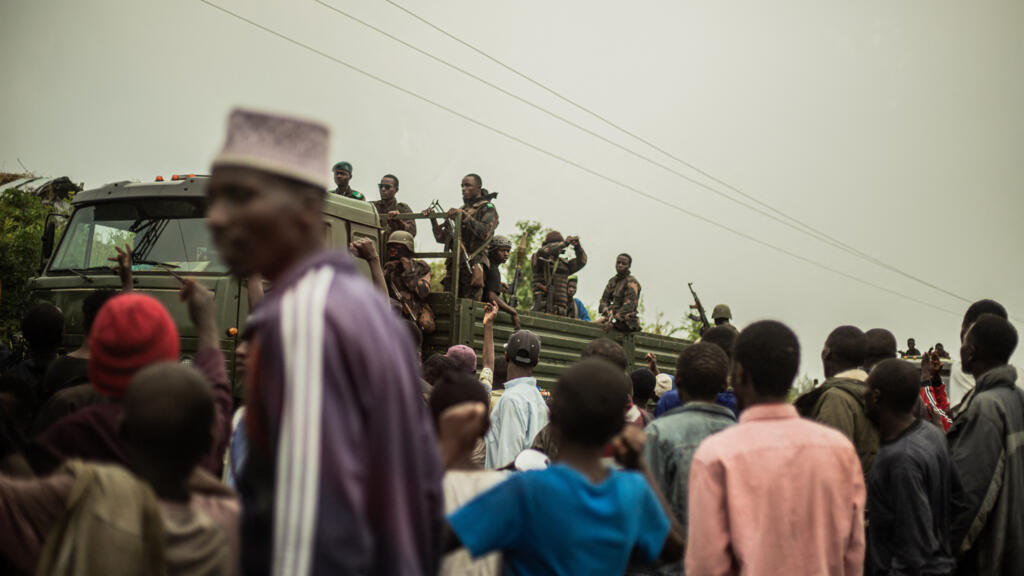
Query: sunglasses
[(384, 186)]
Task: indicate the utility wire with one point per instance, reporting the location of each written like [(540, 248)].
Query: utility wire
[(572, 163), (782, 218)]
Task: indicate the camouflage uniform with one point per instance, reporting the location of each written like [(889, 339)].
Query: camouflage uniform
[(383, 207), (479, 220), (409, 283), (621, 300), (548, 257), (351, 193)]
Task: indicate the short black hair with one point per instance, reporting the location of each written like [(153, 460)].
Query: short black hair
[(92, 304), (43, 327), (414, 331), (454, 388), (436, 366), (587, 404), (881, 344), (848, 345), (393, 177), (898, 383), (722, 336), (628, 257), (702, 370), (168, 412), (644, 382), (479, 180), (983, 307), (994, 338), (770, 353), (608, 349)]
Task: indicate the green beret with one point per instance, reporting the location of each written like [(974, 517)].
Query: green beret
[(347, 167)]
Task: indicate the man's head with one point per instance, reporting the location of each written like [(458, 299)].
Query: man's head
[(765, 360), (499, 249), (464, 357), (572, 286), (721, 314), (607, 349), (472, 187), (168, 412), (553, 237), (586, 406), (388, 187), (623, 262), (130, 332), (436, 366), (644, 382), (701, 372), (976, 310), (91, 307), (880, 345), (911, 343), (845, 349), (342, 175), (522, 352), (892, 388), (266, 192), (43, 328), (455, 388), (401, 244), (989, 343), (722, 336)]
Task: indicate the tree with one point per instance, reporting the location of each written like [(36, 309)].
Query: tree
[(21, 226), (534, 233), (687, 328)]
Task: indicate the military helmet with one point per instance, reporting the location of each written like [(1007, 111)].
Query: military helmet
[(500, 241), (404, 238), (721, 311)]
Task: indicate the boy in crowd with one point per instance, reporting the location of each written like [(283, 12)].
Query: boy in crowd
[(603, 517), (911, 482), (775, 494)]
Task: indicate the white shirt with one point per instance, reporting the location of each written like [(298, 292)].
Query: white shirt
[(519, 416), (461, 486)]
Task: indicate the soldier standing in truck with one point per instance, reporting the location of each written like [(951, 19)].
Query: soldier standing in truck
[(479, 220), (408, 280), (389, 207), (551, 273), (343, 179), (620, 302)]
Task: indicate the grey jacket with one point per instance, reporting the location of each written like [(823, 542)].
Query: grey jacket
[(986, 443), (672, 440)]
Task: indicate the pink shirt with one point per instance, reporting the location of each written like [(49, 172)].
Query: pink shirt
[(776, 494)]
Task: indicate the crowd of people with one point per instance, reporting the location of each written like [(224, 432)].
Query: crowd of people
[(353, 455)]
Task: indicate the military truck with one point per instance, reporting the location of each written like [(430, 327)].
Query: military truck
[(164, 223)]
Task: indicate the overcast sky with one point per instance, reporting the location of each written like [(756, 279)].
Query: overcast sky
[(896, 128)]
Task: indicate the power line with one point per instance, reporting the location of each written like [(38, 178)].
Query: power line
[(569, 162), (786, 219)]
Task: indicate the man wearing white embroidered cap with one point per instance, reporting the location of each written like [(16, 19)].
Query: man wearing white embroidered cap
[(328, 487)]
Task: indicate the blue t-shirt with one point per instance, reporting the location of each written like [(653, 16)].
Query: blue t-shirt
[(555, 521)]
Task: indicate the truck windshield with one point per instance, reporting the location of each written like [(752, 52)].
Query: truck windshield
[(164, 233)]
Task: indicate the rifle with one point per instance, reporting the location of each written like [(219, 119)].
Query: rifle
[(513, 299), (405, 305), (434, 209), (703, 316)]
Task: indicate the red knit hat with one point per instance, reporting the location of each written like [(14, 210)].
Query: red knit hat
[(130, 332)]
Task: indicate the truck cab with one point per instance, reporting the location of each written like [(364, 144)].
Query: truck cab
[(164, 224)]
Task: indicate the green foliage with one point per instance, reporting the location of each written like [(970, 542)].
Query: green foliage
[(437, 272), (687, 328), (22, 215), (534, 233)]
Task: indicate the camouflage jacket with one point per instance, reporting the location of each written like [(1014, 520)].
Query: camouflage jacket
[(352, 193), (479, 221), (621, 300), (383, 207), (408, 282), (551, 272)]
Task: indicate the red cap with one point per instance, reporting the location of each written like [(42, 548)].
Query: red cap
[(130, 332)]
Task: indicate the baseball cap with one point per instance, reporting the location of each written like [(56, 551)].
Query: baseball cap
[(523, 349)]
